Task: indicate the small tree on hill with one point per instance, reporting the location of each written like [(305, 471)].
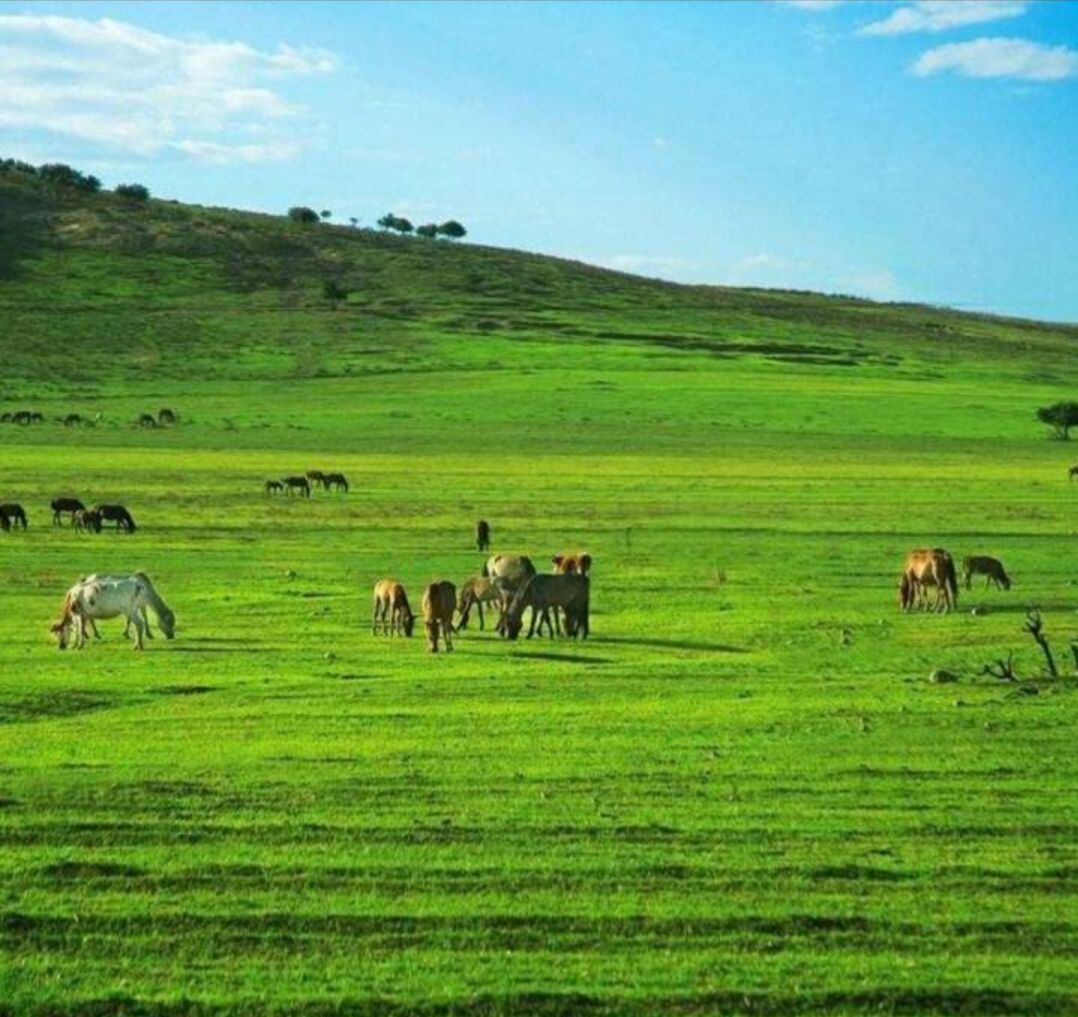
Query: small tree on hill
[(428, 230), (354, 221), (1061, 417), (62, 175), (452, 229), (325, 214), (302, 214), (136, 192), (397, 223), (334, 292)]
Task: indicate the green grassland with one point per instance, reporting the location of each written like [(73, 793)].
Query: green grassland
[(741, 795)]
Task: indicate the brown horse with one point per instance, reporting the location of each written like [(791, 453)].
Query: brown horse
[(61, 505), (391, 609), (482, 535), (87, 519), (15, 514), (317, 478), (476, 592), (540, 593), (297, 484), (925, 568), (576, 561), (439, 603), (991, 568), (335, 482), (116, 514)]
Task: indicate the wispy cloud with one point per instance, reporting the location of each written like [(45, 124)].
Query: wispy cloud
[(1000, 58), (942, 15), (127, 89)]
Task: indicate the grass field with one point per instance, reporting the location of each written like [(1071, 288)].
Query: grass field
[(741, 795)]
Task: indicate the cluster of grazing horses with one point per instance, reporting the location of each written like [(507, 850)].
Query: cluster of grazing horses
[(22, 417), (165, 418), (509, 585), (304, 483), (97, 597), (91, 520), (933, 569)]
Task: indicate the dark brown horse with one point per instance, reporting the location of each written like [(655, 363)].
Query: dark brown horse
[(61, 505), (335, 482), (166, 417), (1073, 472), (569, 592), (15, 514), (316, 477), (116, 514), (482, 535), (87, 519), (72, 420), (274, 487), (146, 420), (300, 484)]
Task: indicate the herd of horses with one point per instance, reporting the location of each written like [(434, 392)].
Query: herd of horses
[(165, 417), (91, 520), (933, 569), (302, 483), (508, 584)]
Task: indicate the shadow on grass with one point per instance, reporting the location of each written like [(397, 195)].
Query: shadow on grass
[(673, 644), (568, 658)]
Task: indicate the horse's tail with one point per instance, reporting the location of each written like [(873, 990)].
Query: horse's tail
[(164, 613), (950, 579)]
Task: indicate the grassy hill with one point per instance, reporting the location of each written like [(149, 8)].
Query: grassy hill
[(743, 794)]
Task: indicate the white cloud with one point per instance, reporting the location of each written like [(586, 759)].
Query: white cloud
[(941, 15), (1000, 58), (128, 89)]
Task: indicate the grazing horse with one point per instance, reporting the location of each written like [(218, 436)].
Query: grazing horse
[(92, 626), (147, 420), (991, 568), (116, 514), (508, 572), (576, 561), (569, 592), (1073, 472), (61, 505), (316, 477), (166, 417), (476, 592), (37, 417), (14, 514), (274, 487), (482, 535), (924, 568), (335, 482), (439, 603), (298, 484), (391, 609), (87, 519), (98, 597), (72, 419)]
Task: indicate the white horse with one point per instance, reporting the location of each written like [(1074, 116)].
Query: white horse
[(97, 597)]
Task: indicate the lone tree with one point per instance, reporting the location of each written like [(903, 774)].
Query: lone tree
[(354, 221), (428, 230), (302, 214), (1061, 417), (325, 214), (452, 229), (334, 292), (136, 192)]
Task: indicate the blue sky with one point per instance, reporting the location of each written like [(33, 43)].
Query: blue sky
[(912, 151)]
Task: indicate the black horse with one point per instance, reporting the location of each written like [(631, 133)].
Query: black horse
[(61, 505), (482, 535), (116, 514), (274, 487), (14, 514), (334, 482), (300, 484)]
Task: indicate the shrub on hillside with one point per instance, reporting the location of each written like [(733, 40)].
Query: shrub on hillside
[(62, 175), (334, 292), (302, 214), (1061, 417), (452, 229), (427, 230), (136, 192)]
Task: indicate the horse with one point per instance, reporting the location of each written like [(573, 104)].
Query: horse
[(37, 417), (166, 417), (274, 487), (439, 603), (391, 609), (508, 572), (482, 535), (570, 592), (570, 562), (5, 523), (476, 592), (61, 505), (1073, 472), (316, 477), (297, 483), (335, 482), (72, 420), (98, 597), (116, 514), (87, 519), (91, 625), (991, 568), (924, 568), (146, 420), (14, 514)]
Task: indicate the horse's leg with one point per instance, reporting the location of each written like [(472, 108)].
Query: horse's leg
[(133, 617), (145, 621), (447, 633), (479, 608), (374, 619)]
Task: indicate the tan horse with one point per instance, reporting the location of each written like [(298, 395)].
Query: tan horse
[(991, 568), (476, 592), (924, 568), (391, 609), (439, 603), (570, 562)]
